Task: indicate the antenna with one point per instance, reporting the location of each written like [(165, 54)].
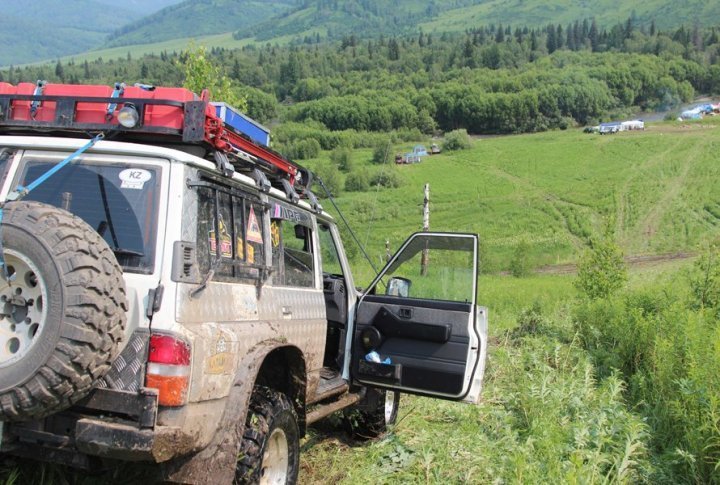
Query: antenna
[(342, 217)]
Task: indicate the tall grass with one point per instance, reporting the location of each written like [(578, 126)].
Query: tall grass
[(667, 348)]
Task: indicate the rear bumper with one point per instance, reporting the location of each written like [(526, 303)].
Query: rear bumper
[(108, 424), (95, 439), (128, 443)]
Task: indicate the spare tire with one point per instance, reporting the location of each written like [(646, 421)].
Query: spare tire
[(62, 314)]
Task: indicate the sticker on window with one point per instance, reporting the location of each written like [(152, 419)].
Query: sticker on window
[(254, 233), (250, 251), (275, 233), (134, 178), (225, 241)]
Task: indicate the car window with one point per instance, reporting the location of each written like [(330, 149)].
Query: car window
[(230, 235), (119, 201), (292, 251), (433, 268)]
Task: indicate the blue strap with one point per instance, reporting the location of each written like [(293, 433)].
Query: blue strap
[(117, 92), (21, 191)]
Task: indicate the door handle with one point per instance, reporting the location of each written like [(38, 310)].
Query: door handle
[(405, 313), (286, 312)]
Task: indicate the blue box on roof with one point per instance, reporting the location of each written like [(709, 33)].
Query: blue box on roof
[(243, 124)]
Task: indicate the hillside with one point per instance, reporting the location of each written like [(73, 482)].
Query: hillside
[(88, 25), (44, 29), (666, 14), (193, 18), (368, 18)]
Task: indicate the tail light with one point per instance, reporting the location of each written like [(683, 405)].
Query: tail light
[(168, 369)]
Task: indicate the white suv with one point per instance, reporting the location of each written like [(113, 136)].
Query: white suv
[(159, 308)]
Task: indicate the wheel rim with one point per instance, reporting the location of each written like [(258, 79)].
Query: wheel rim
[(22, 307), (389, 406), (275, 459)]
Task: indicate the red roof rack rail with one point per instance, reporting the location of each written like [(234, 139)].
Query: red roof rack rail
[(174, 115)]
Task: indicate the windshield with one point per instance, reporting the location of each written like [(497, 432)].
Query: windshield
[(119, 202)]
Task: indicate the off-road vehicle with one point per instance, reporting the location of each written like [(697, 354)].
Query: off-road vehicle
[(174, 293)]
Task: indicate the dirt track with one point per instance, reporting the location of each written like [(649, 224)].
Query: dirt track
[(632, 261)]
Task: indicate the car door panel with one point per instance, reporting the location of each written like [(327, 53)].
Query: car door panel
[(425, 346)]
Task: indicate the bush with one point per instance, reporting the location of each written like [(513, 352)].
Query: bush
[(330, 177), (357, 182), (705, 279), (520, 263), (386, 178), (302, 149), (382, 152), (456, 140), (342, 158), (602, 270)]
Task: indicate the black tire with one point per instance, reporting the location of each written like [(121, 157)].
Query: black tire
[(270, 412), (82, 314), (371, 417)]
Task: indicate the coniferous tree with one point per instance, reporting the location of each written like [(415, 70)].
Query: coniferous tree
[(551, 43), (594, 36)]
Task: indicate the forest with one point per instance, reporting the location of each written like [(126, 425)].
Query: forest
[(488, 80)]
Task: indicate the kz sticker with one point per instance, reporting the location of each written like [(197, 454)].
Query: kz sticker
[(134, 178)]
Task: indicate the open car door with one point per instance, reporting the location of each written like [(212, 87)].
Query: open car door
[(417, 328)]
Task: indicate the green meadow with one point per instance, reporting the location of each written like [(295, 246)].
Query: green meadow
[(544, 196)]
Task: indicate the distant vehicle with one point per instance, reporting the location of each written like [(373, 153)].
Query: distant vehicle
[(609, 128), (415, 156), (434, 149), (419, 150)]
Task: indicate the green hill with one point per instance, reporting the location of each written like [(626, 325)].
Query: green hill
[(197, 18), (86, 25), (665, 14), (45, 29), (373, 17)]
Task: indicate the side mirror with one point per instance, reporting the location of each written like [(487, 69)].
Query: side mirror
[(398, 286)]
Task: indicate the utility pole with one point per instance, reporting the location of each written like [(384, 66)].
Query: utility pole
[(426, 227)]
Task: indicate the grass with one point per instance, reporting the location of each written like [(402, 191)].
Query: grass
[(549, 412), (551, 192)]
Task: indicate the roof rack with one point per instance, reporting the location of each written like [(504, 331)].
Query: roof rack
[(156, 115)]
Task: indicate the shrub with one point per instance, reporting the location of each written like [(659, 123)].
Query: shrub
[(330, 177), (602, 270), (342, 158), (302, 149), (357, 182), (382, 152), (386, 178), (520, 263), (456, 140), (705, 279)]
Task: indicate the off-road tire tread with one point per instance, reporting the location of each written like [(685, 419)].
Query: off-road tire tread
[(265, 403), (94, 318), (366, 420)]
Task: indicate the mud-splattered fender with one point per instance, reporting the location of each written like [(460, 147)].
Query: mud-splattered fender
[(216, 463)]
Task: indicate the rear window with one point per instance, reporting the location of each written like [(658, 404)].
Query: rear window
[(119, 201)]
